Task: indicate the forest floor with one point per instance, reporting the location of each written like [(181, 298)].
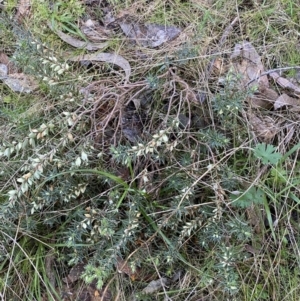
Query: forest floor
[(149, 150)]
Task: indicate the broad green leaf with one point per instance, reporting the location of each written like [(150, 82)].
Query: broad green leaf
[(267, 153)]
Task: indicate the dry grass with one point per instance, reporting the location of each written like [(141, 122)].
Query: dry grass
[(176, 202)]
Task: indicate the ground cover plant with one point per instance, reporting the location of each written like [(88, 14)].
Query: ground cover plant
[(149, 150)]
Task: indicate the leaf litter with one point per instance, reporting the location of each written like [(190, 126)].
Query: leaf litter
[(246, 62), (76, 42), (17, 82), (108, 58), (147, 35), (76, 289)]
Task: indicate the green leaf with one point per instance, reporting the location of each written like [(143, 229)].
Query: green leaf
[(253, 195), (267, 153)]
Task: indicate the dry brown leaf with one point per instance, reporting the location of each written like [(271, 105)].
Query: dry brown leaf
[(285, 83), (147, 35), (108, 58), (265, 128), (18, 82), (123, 267), (136, 274), (23, 10), (263, 98), (156, 285), (246, 61), (218, 67), (78, 43), (285, 100), (94, 32), (268, 93), (3, 71), (4, 59)]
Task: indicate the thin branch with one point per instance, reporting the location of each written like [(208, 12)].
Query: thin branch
[(271, 71)]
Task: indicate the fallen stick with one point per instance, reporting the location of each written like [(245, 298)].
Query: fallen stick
[(272, 71)]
